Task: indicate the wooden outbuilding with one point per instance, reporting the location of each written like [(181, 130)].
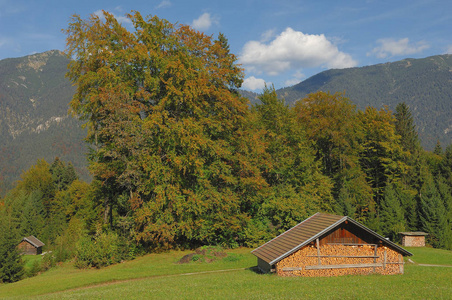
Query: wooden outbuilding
[(330, 245), (30, 245), (413, 239)]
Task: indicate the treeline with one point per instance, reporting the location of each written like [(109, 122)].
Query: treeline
[(180, 160)]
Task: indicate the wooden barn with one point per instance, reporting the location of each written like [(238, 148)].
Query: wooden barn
[(330, 245), (30, 245)]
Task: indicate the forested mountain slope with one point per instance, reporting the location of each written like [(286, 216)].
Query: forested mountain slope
[(425, 85), (34, 97), (34, 120)]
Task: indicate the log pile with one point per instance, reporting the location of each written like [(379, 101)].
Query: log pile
[(341, 259)]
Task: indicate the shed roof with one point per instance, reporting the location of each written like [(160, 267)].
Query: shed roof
[(415, 233), (34, 241), (307, 231)]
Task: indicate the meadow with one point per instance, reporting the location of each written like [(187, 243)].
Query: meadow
[(158, 276)]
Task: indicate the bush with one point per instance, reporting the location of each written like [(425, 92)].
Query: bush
[(48, 261), (102, 250), (34, 269)]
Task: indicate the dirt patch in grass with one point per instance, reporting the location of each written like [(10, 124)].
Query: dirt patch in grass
[(206, 254)]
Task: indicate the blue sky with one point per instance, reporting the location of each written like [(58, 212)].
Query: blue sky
[(277, 42)]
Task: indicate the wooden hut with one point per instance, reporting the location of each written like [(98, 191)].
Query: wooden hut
[(330, 245), (413, 239), (30, 245)]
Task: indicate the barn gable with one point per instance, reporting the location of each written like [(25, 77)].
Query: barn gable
[(330, 233)]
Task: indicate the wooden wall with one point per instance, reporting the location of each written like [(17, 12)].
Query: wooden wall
[(347, 233), (27, 248)]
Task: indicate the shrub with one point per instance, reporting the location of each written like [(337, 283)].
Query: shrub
[(34, 269), (102, 250)]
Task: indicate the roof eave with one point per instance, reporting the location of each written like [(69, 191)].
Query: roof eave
[(307, 241), (33, 243), (283, 233), (383, 239)]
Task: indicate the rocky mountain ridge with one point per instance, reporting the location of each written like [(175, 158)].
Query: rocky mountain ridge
[(34, 120)]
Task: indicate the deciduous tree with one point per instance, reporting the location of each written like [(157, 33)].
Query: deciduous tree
[(167, 128)]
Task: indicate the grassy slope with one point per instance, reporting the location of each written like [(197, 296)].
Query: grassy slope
[(417, 282)]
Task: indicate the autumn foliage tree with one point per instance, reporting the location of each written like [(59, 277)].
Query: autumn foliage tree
[(167, 128), (297, 187), (331, 124)]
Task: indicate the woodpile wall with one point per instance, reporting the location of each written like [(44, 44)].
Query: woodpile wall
[(413, 241), (341, 259)]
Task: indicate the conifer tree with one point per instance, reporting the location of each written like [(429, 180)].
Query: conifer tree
[(406, 128), (432, 213), (438, 149), (391, 212), (446, 195), (11, 264)]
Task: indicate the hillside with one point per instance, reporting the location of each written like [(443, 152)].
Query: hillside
[(34, 97), (425, 85), (34, 121)]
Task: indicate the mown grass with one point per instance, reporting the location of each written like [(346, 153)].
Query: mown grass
[(426, 255), (164, 280), (29, 260), (66, 276)]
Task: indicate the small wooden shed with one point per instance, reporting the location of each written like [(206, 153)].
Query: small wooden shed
[(413, 239), (330, 245), (31, 245)]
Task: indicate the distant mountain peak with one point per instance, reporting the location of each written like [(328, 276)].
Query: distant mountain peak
[(38, 60)]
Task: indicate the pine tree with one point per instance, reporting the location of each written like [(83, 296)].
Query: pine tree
[(11, 264), (446, 195), (391, 213), (405, 127), (432, 213), (438, 149)]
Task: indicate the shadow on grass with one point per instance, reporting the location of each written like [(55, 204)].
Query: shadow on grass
[(255, 269)]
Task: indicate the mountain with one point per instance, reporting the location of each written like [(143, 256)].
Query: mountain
[(425, 85), (34, 98), (34, 120)]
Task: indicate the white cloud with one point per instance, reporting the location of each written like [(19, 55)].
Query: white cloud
[(293, 50), (268, 35), (391, 47), (252, 83), (123, 20), (3, 41), (164, 4), (297, 77), (449, 49), (204, 22)]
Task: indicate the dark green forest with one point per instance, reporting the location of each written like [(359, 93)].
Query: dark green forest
[(180, 159)]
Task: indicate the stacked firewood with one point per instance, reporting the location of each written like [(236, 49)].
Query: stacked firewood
[(337, 259)]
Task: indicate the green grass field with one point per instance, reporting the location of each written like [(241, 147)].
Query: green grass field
[(30, 259), (158, 276)]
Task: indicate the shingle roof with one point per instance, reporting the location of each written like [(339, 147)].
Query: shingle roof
[(34, 241), (304, 233), (416, 233)]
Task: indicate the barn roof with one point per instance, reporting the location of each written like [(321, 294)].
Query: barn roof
[(34, 241), (307, 231)]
